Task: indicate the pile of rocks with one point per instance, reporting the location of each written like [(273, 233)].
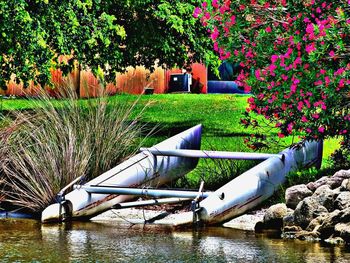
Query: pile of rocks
[(319, 210)]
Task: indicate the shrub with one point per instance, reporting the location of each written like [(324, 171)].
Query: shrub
[(294, 57), (58, 141)]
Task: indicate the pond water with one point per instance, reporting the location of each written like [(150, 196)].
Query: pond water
[(29, 241)]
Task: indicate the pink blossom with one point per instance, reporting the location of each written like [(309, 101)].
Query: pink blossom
[(274, 58), (300, 105), (318, 82), (216, 46), (341, 83), (327, 80), (214, 3), (257, 74), (321, 129), (215, 34), (315, 116), (233, 19), (268, 29), (310, 28), (310, 48), (340, 71), (331, 54), (197, 12), (293, 88), (204, 5), (307, 103), (280, 135), (304, 119), (296, 81)]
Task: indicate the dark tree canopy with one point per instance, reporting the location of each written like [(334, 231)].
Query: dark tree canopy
[(107, 35)]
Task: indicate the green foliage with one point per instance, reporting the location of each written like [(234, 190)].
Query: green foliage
[(108, 35), (294, 57)]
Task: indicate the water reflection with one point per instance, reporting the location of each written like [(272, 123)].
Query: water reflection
[(27, 240)]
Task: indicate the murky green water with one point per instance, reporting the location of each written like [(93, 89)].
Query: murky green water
[(29, 241)]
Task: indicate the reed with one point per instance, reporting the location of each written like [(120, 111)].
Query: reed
[(47, 147)]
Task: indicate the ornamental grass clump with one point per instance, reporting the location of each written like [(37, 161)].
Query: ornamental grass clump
[(46, 148)]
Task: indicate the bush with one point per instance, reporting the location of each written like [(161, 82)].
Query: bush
[(57, 141), (295, 60)]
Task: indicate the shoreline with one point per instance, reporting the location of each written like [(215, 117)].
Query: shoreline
[(133, 216)]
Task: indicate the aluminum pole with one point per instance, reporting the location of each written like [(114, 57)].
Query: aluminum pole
[(211, 154), (157, 193)]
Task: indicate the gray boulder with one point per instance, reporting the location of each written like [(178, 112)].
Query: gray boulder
[(343, 230), (273, 218), (307, 210), (295, 194), (326, 196), (327, 227), (345, 185), (314, 185), (316, 222), (342, 201), (337, 179)]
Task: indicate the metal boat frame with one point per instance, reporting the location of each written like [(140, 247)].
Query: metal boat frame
[(171, 159)]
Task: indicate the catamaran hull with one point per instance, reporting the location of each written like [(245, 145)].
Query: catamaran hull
[(143, 169), (257, 184)]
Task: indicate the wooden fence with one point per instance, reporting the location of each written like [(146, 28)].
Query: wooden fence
[(133, 81)]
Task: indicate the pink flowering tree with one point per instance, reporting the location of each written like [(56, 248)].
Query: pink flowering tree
[(295, 59)]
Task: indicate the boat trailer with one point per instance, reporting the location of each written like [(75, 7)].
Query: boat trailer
[(141, 175)]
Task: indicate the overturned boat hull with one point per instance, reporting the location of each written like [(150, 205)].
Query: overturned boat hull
[(143, 169)]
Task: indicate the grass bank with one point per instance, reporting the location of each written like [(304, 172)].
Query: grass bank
[(173, 113)]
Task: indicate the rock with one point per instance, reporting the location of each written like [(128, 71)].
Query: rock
[(273, 218), (342, 201), (314, 185), (307, 235), (345, 185), (345, 174), (345, 215), (337, 179), (295, 194), (288, 220), (307, 210), (325, 197), (335, 241), (291, 229), (316, 222), (327, 227), (343, 230), (259, 227)]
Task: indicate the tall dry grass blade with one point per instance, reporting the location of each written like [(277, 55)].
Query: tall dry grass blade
[(59, 141)]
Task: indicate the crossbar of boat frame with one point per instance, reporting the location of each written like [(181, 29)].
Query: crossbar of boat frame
[(156, 193), (210, 154), (142, 203)]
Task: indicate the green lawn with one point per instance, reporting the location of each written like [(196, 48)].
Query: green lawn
[(173, 113)]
